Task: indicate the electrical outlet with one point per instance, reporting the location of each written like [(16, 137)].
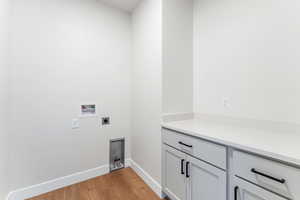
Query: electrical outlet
[(105, 121), (75, 123), (225, 102)]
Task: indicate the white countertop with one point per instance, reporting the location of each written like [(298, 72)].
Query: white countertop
[(280, 145)]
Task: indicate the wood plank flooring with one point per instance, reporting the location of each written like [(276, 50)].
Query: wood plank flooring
[(124, 184)]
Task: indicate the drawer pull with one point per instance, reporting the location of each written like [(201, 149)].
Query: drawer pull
[(236, 192), (268, 176), (187, 169), (182, 170), (185, 144)]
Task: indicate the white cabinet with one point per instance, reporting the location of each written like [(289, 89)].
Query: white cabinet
[(247, 191), (197, 169), (188, 178), (193, 169), (206, 182), (174, 179), (274, 176)]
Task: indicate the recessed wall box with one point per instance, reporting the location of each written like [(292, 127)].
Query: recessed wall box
[(117, 154)]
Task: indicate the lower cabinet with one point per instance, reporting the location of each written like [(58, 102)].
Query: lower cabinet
[(174, 179), (188, 178), (195, 169), (244, 190), (206, 182)]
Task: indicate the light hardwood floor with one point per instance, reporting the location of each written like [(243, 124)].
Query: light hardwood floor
[(124, 184)]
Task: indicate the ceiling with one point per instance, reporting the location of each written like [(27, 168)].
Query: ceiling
[(127, 5)]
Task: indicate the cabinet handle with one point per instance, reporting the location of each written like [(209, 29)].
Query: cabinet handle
[(187, 169), (182, 170), (282, 181), (185, 144), (236, 192)]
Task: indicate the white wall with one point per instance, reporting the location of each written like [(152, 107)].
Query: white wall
[(146, 94), (63, 53), (248, 52), (4, 17), (177, 56)]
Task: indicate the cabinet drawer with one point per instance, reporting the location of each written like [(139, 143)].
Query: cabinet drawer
[(274, 176), (204, 150), (245, 191)]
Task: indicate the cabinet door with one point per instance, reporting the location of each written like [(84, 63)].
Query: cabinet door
[(174, 181), (205, 181), (244, 190)]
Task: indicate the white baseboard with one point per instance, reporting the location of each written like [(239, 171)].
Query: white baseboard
[(58, 183), (153, 184), (65, 181)]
